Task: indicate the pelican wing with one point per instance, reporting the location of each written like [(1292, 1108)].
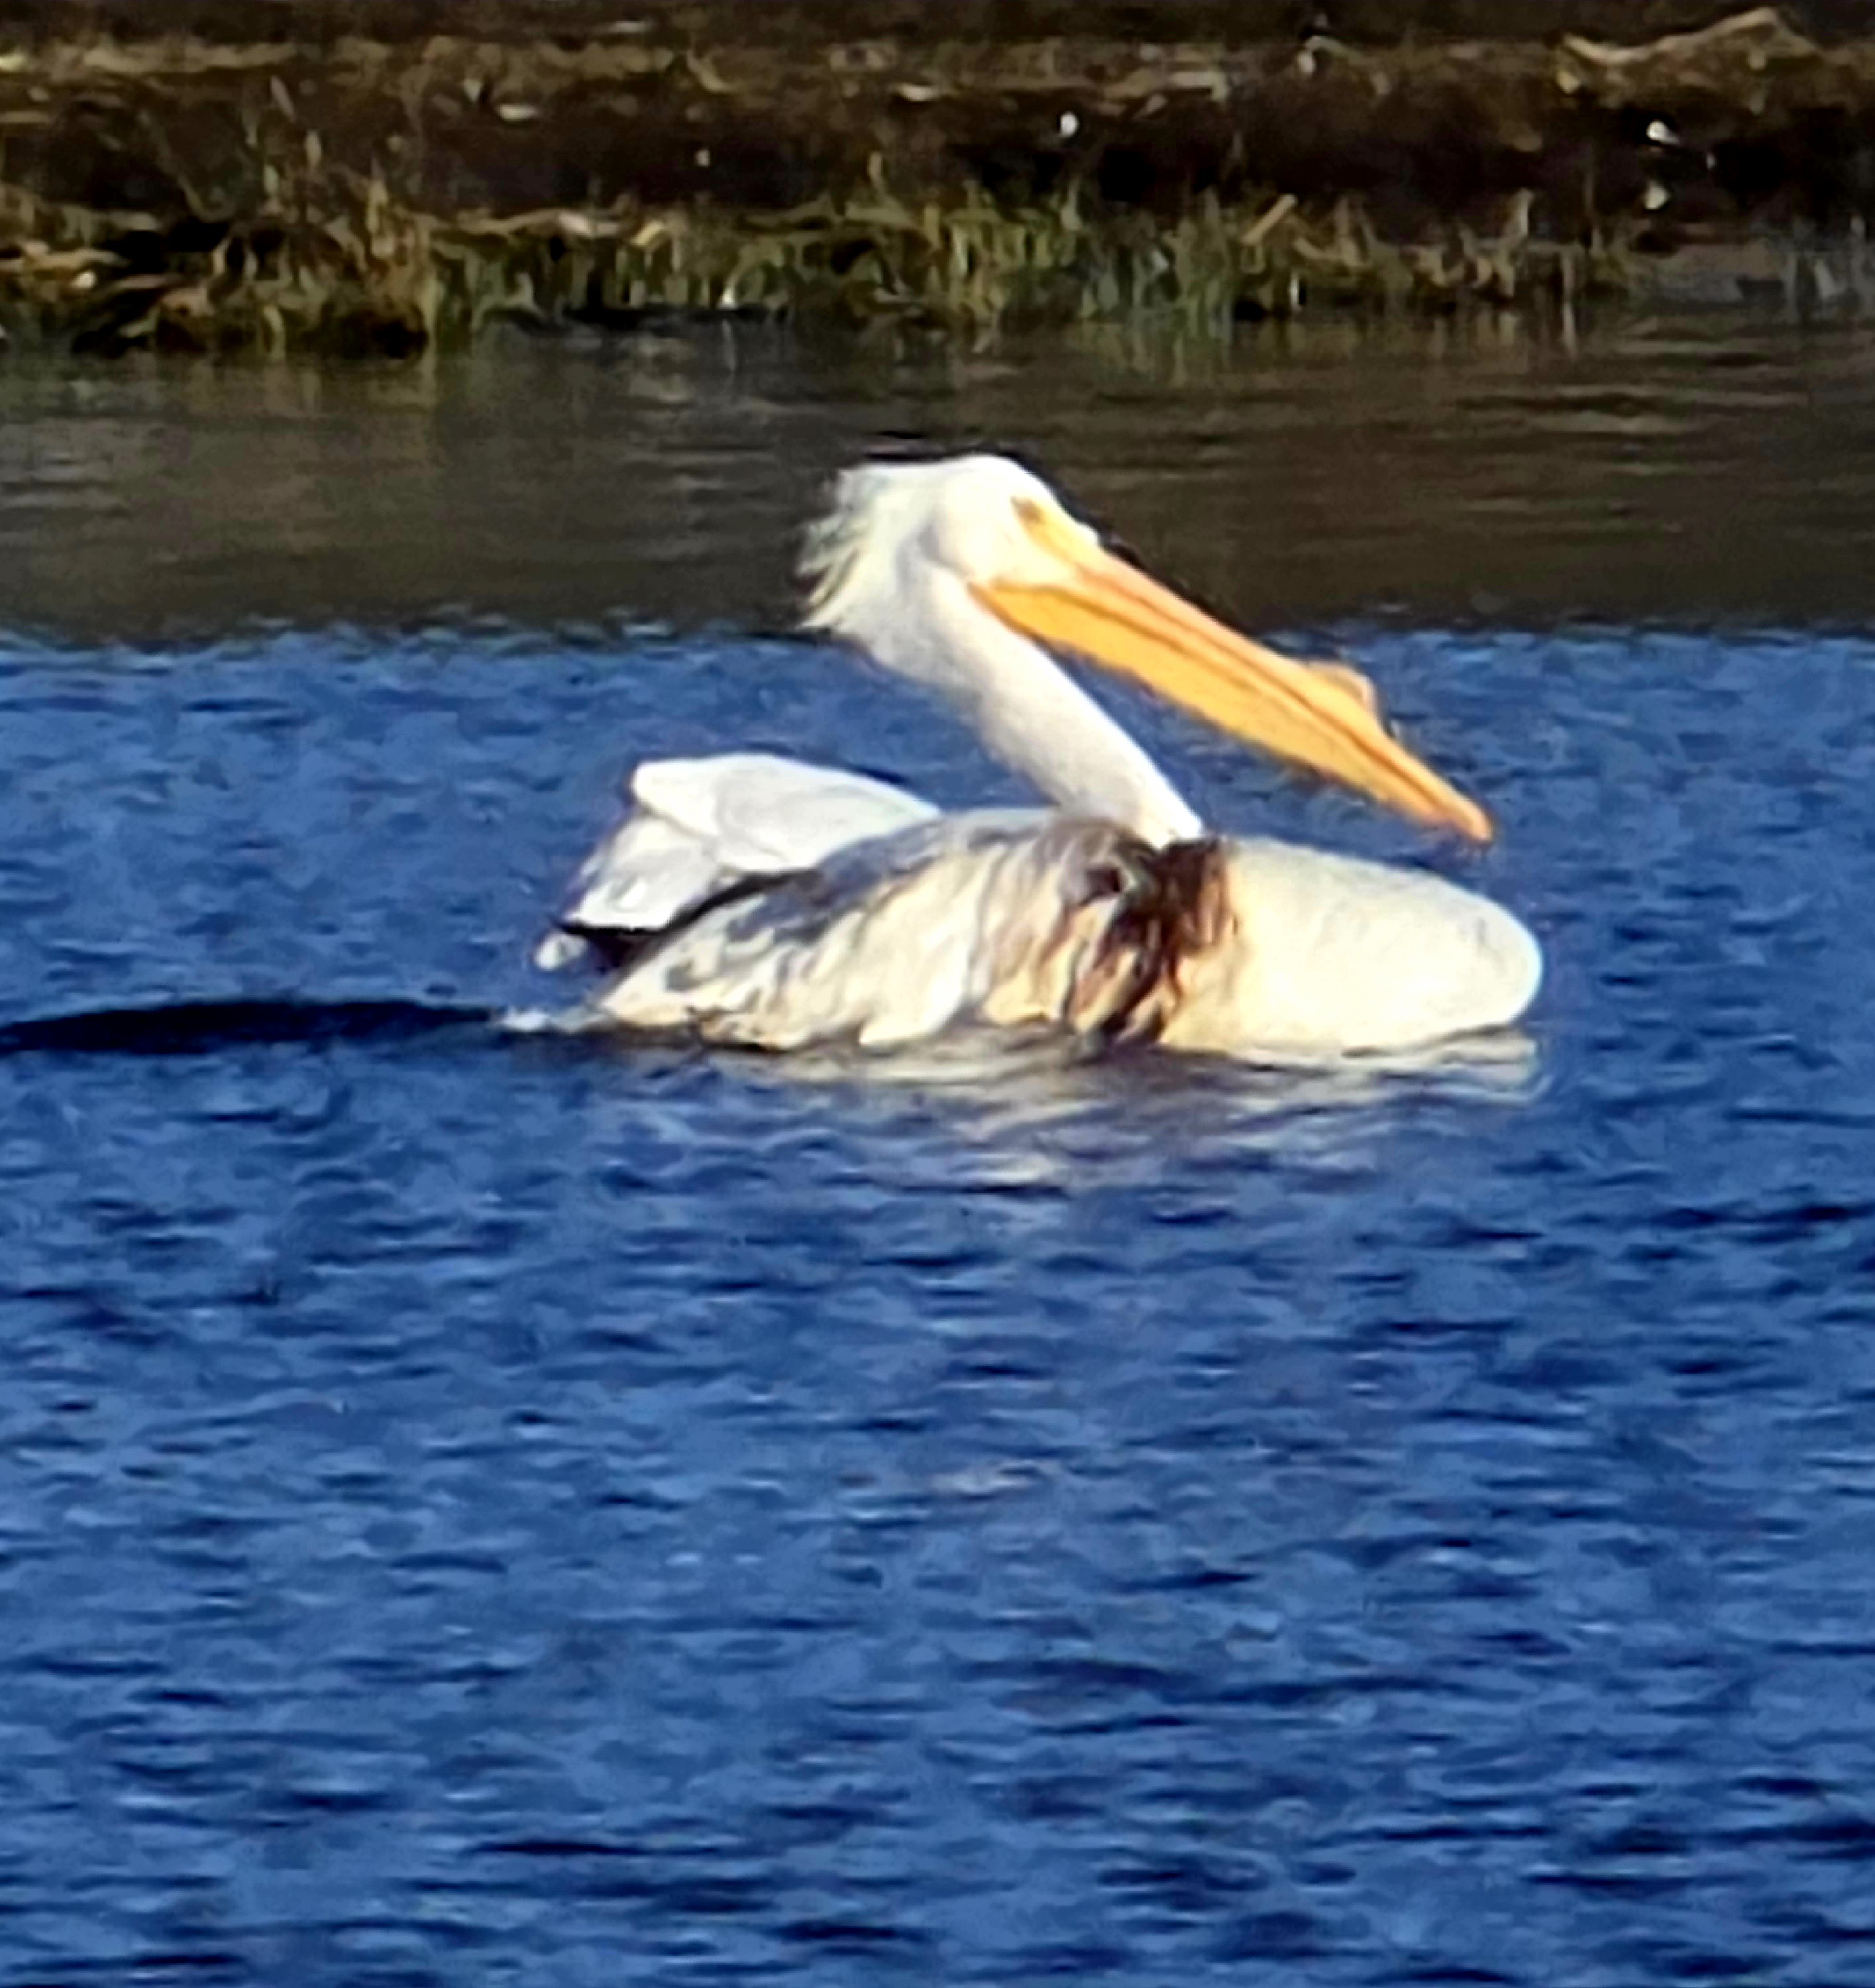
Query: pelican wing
[(1011, 919), (697, 827)]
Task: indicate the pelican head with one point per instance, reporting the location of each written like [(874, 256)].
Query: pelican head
[(960, 573)]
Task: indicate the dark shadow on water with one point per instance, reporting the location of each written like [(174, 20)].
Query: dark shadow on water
[(199, 1028)]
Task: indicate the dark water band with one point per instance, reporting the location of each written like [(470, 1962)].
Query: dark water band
[(191, 1028)]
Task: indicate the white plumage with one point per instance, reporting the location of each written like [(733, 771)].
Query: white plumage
[(697, 827), (971, 917), (755, 900)]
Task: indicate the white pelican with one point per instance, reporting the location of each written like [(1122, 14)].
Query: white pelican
[(756, 901)]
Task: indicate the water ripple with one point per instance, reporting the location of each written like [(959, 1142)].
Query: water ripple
[(485, 1508)]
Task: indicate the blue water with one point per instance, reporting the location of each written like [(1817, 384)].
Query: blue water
[(477, 1509)]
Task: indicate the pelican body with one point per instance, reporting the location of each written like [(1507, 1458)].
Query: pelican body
[(757, 901)]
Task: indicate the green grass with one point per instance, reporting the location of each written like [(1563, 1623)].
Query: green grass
[(331, 262)]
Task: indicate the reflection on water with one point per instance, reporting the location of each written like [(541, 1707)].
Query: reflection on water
[(1670, 468), (1041, 1111), (479, 1506)]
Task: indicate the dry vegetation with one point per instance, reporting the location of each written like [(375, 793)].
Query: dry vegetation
[(362, 195)]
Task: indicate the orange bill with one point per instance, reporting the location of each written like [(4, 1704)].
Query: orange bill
[(1324, 716)]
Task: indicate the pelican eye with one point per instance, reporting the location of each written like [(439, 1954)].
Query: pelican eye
[(1051, 528)]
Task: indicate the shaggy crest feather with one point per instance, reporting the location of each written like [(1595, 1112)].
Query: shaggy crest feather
[(959, 513), (837, 540)]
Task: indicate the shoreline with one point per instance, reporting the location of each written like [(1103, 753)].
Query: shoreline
[(332, 191)]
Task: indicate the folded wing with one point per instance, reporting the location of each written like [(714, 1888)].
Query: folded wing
[(697, 827), (1010, 920)]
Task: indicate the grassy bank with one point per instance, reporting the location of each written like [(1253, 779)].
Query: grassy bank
[(339, 192)]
